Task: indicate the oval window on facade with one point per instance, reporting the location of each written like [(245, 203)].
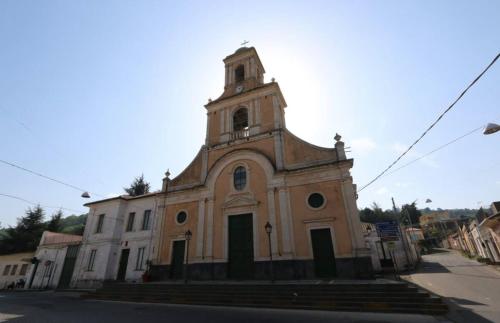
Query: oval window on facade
[(181, 217), (316, 200), (240, 178)]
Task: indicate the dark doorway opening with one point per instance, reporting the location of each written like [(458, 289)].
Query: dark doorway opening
[(122, 268), (68, 267), (240, 251), (177, 263), (324, 256)]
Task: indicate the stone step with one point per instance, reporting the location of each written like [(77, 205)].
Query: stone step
[(260, 292), (192, 298), (398, 297), (260, 287), (392, 296), (257, 288), (432, 309)]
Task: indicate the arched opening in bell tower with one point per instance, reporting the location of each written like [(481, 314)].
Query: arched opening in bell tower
[(239, 73)]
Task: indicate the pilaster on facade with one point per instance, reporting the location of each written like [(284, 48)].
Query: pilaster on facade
[(200, 229), (272, 220), (349, 197), (210, 229), (279, 150), (277, 113), (286, 234), (256, 104), (204, 164)]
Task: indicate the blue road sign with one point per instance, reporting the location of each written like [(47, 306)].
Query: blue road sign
[(388, 230)]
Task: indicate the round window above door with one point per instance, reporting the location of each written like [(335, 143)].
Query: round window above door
[(181, 217), (316, 200)]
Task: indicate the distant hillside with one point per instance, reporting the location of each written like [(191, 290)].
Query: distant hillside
[(73, 224), (454, 213)]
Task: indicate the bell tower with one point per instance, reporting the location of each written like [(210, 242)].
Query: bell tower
[(244, 71), (248, 108)]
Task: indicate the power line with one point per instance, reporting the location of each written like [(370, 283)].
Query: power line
[(44, 206), (433, 124), (47, 177), (22, 124), (51, 146), (434, 150)]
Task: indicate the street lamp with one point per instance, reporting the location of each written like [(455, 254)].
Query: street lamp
[(35, 261), (269, 229), (188, 236), (85, 195), (491, 128)]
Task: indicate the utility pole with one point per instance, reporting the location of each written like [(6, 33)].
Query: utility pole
[(401, 233)]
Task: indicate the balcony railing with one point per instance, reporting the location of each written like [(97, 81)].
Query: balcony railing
[(239, 134)]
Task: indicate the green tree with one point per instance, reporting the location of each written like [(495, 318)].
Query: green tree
[(138, 187), (367, 215), (375, 214), (74, 224), (481, 215), (26, 235), (55, 223), (411, 211)]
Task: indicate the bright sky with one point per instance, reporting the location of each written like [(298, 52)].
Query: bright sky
[(97, 92)]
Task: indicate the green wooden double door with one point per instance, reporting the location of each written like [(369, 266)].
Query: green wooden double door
[(68, 266), (240, 247)]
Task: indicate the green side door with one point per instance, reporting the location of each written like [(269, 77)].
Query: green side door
[(324, 257)]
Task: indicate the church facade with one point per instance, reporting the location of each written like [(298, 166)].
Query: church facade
[(255, 193)]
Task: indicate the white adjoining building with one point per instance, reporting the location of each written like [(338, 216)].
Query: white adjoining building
[(118, 240), (14, 267), (54, 262), (384, 254)]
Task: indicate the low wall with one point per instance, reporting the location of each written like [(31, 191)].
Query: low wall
[(346, 268)]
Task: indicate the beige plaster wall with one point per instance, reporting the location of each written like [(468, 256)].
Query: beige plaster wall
[(191, 174), (298, 151), (332, 214), (256, 188), (173, 231), (266, 118), (18, 259), (267, 113), (265, 146), (214, 127)]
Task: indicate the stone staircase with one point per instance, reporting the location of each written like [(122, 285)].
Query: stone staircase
[(391, 297)]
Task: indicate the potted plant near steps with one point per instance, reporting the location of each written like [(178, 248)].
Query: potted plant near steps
[(146, 276)]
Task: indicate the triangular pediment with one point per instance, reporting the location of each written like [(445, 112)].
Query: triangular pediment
[(240, 200)]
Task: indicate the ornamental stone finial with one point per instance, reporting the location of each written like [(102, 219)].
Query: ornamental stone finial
[(273, 80), (167, 173), (339, 147)]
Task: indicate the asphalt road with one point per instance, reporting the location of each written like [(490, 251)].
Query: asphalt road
[(41, 307), (471, 289)]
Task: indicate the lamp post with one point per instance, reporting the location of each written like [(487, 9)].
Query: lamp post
[(35, 261), (491, 128), (269, 229), (187, 235)]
